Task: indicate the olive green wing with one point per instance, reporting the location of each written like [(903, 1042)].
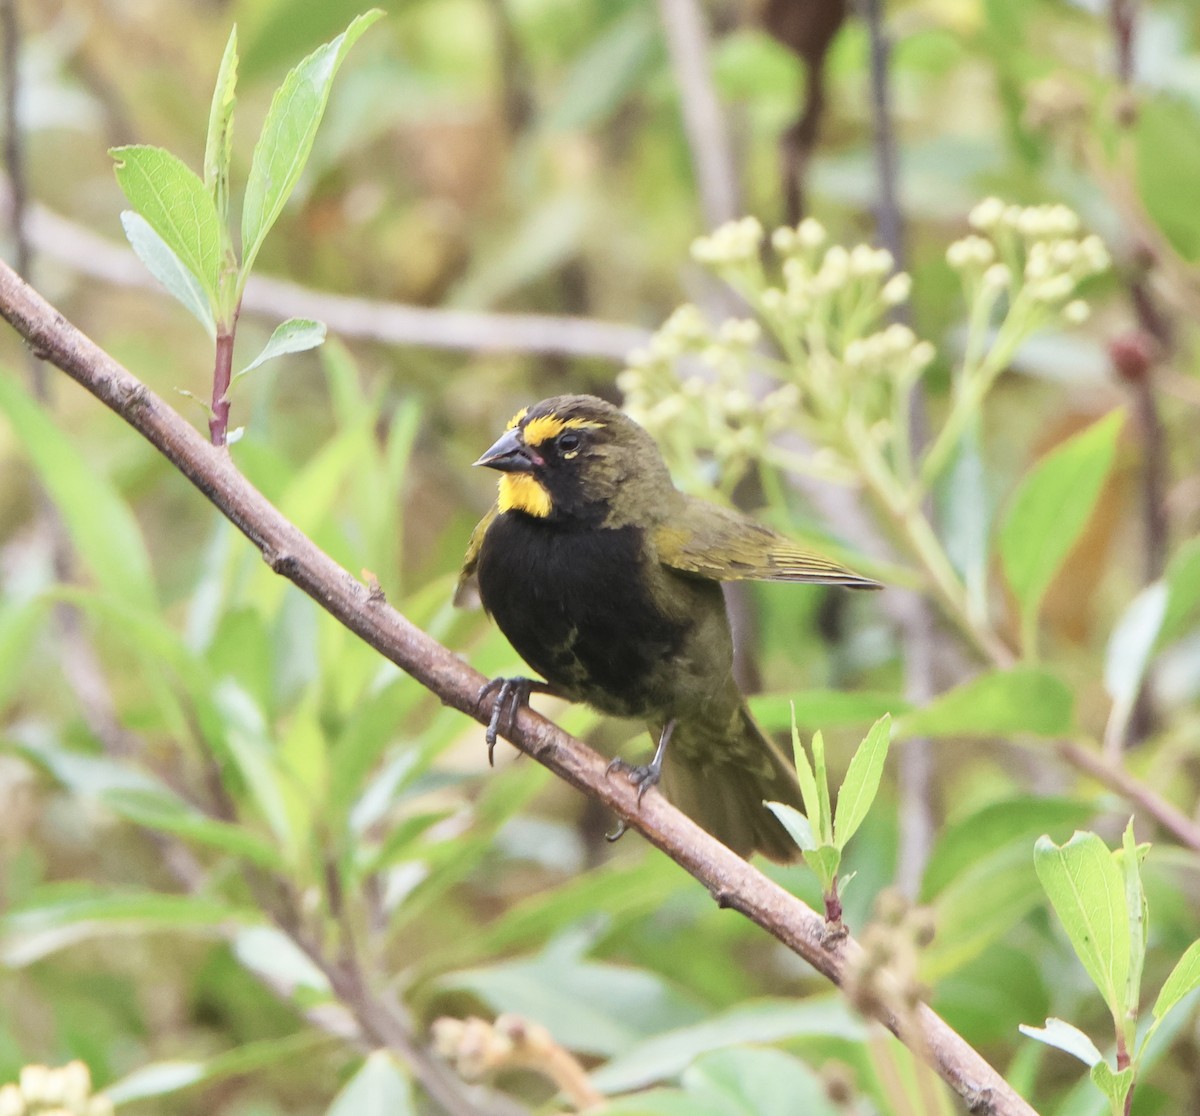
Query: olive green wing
[(466, 592), (710, 541)]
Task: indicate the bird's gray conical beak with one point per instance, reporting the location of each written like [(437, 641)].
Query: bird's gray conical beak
[(510, 454)]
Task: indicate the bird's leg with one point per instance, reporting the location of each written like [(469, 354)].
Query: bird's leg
[(644, 776), (511, 694)]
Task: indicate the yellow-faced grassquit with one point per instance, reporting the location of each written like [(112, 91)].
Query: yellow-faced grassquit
[(606, 580)]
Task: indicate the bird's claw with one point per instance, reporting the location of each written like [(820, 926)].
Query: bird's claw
[(511, 694), (642, 775), (618, 832)]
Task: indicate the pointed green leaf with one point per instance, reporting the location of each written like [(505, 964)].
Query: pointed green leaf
[(663, 1056), (1112, 1084), (99, 522), (1128, 655), (68, 915), (861, 784), (1050, 509), (287, 136), (293, 336), (169, 814), (995, 703), (824, 818), (1184, 978), (825, 860), (1087, 890), (379, 1088), (218, 148), (804, 772), (168, 269), (1064, 1036), (174, 202), (274, 956), (795, 823), (1131, 857)]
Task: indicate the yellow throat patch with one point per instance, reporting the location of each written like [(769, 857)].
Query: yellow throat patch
[(520, 492)]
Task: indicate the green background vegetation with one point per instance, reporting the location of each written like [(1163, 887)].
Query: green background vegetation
[(189, 747)]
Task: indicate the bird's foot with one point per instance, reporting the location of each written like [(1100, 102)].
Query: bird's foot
[(510, 695), (642, 775)]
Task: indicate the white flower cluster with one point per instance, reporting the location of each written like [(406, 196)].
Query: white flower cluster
[(829, 350), (42, 1091), (1033, 251), (734, 243), (713, 410)]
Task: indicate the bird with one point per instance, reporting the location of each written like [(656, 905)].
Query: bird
[(606, 579)]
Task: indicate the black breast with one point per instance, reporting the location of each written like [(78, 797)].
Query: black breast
[(576, 607)]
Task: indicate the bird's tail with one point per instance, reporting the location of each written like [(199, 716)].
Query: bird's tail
[(721, 775)]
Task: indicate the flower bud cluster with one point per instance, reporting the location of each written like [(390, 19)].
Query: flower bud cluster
[(824, 307), (884, 979), (1035, 252), (62, 1091), (734, 243)]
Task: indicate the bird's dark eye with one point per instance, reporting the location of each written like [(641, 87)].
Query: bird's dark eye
[(569, 441)]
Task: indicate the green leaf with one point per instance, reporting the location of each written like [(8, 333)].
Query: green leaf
[(218, 148), (1130, 859), (1184, 978), (1168, 168), (763, 1082), (1086, 888), (379, 1088), (253, 752), (808, 780), (174, 202), (274, 956), (607, 72), (1128, 655), (824, 817), (995, 703), (19, 624), (1007, 822), (1183, 577), (978, 908), (1049, 511), (168, 269), (662, 1057), (100, 525), (169, 814), (159, 1079), (1112, 1084), (68, 915), (861, 783), (824, 860), (1065, 1036), (287, 137), (296, 335), (594, 1007), (795, 823)]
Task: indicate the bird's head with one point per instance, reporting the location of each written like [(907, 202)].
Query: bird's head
[(576, 458)]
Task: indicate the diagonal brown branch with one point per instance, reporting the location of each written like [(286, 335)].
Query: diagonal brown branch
[(732, 881)]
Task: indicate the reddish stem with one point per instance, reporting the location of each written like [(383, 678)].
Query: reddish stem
[(218, 422)]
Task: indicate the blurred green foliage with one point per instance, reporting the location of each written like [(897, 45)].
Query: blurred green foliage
[(199, 769)]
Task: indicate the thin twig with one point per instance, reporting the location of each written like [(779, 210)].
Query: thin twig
[(393, 323), (703, 120), (732, 881)]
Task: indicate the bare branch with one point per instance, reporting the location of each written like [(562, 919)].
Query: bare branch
[(392, 323), (703, 120)]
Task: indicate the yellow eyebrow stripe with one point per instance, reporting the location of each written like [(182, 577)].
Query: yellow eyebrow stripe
[(515, 421), (545, 428)]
